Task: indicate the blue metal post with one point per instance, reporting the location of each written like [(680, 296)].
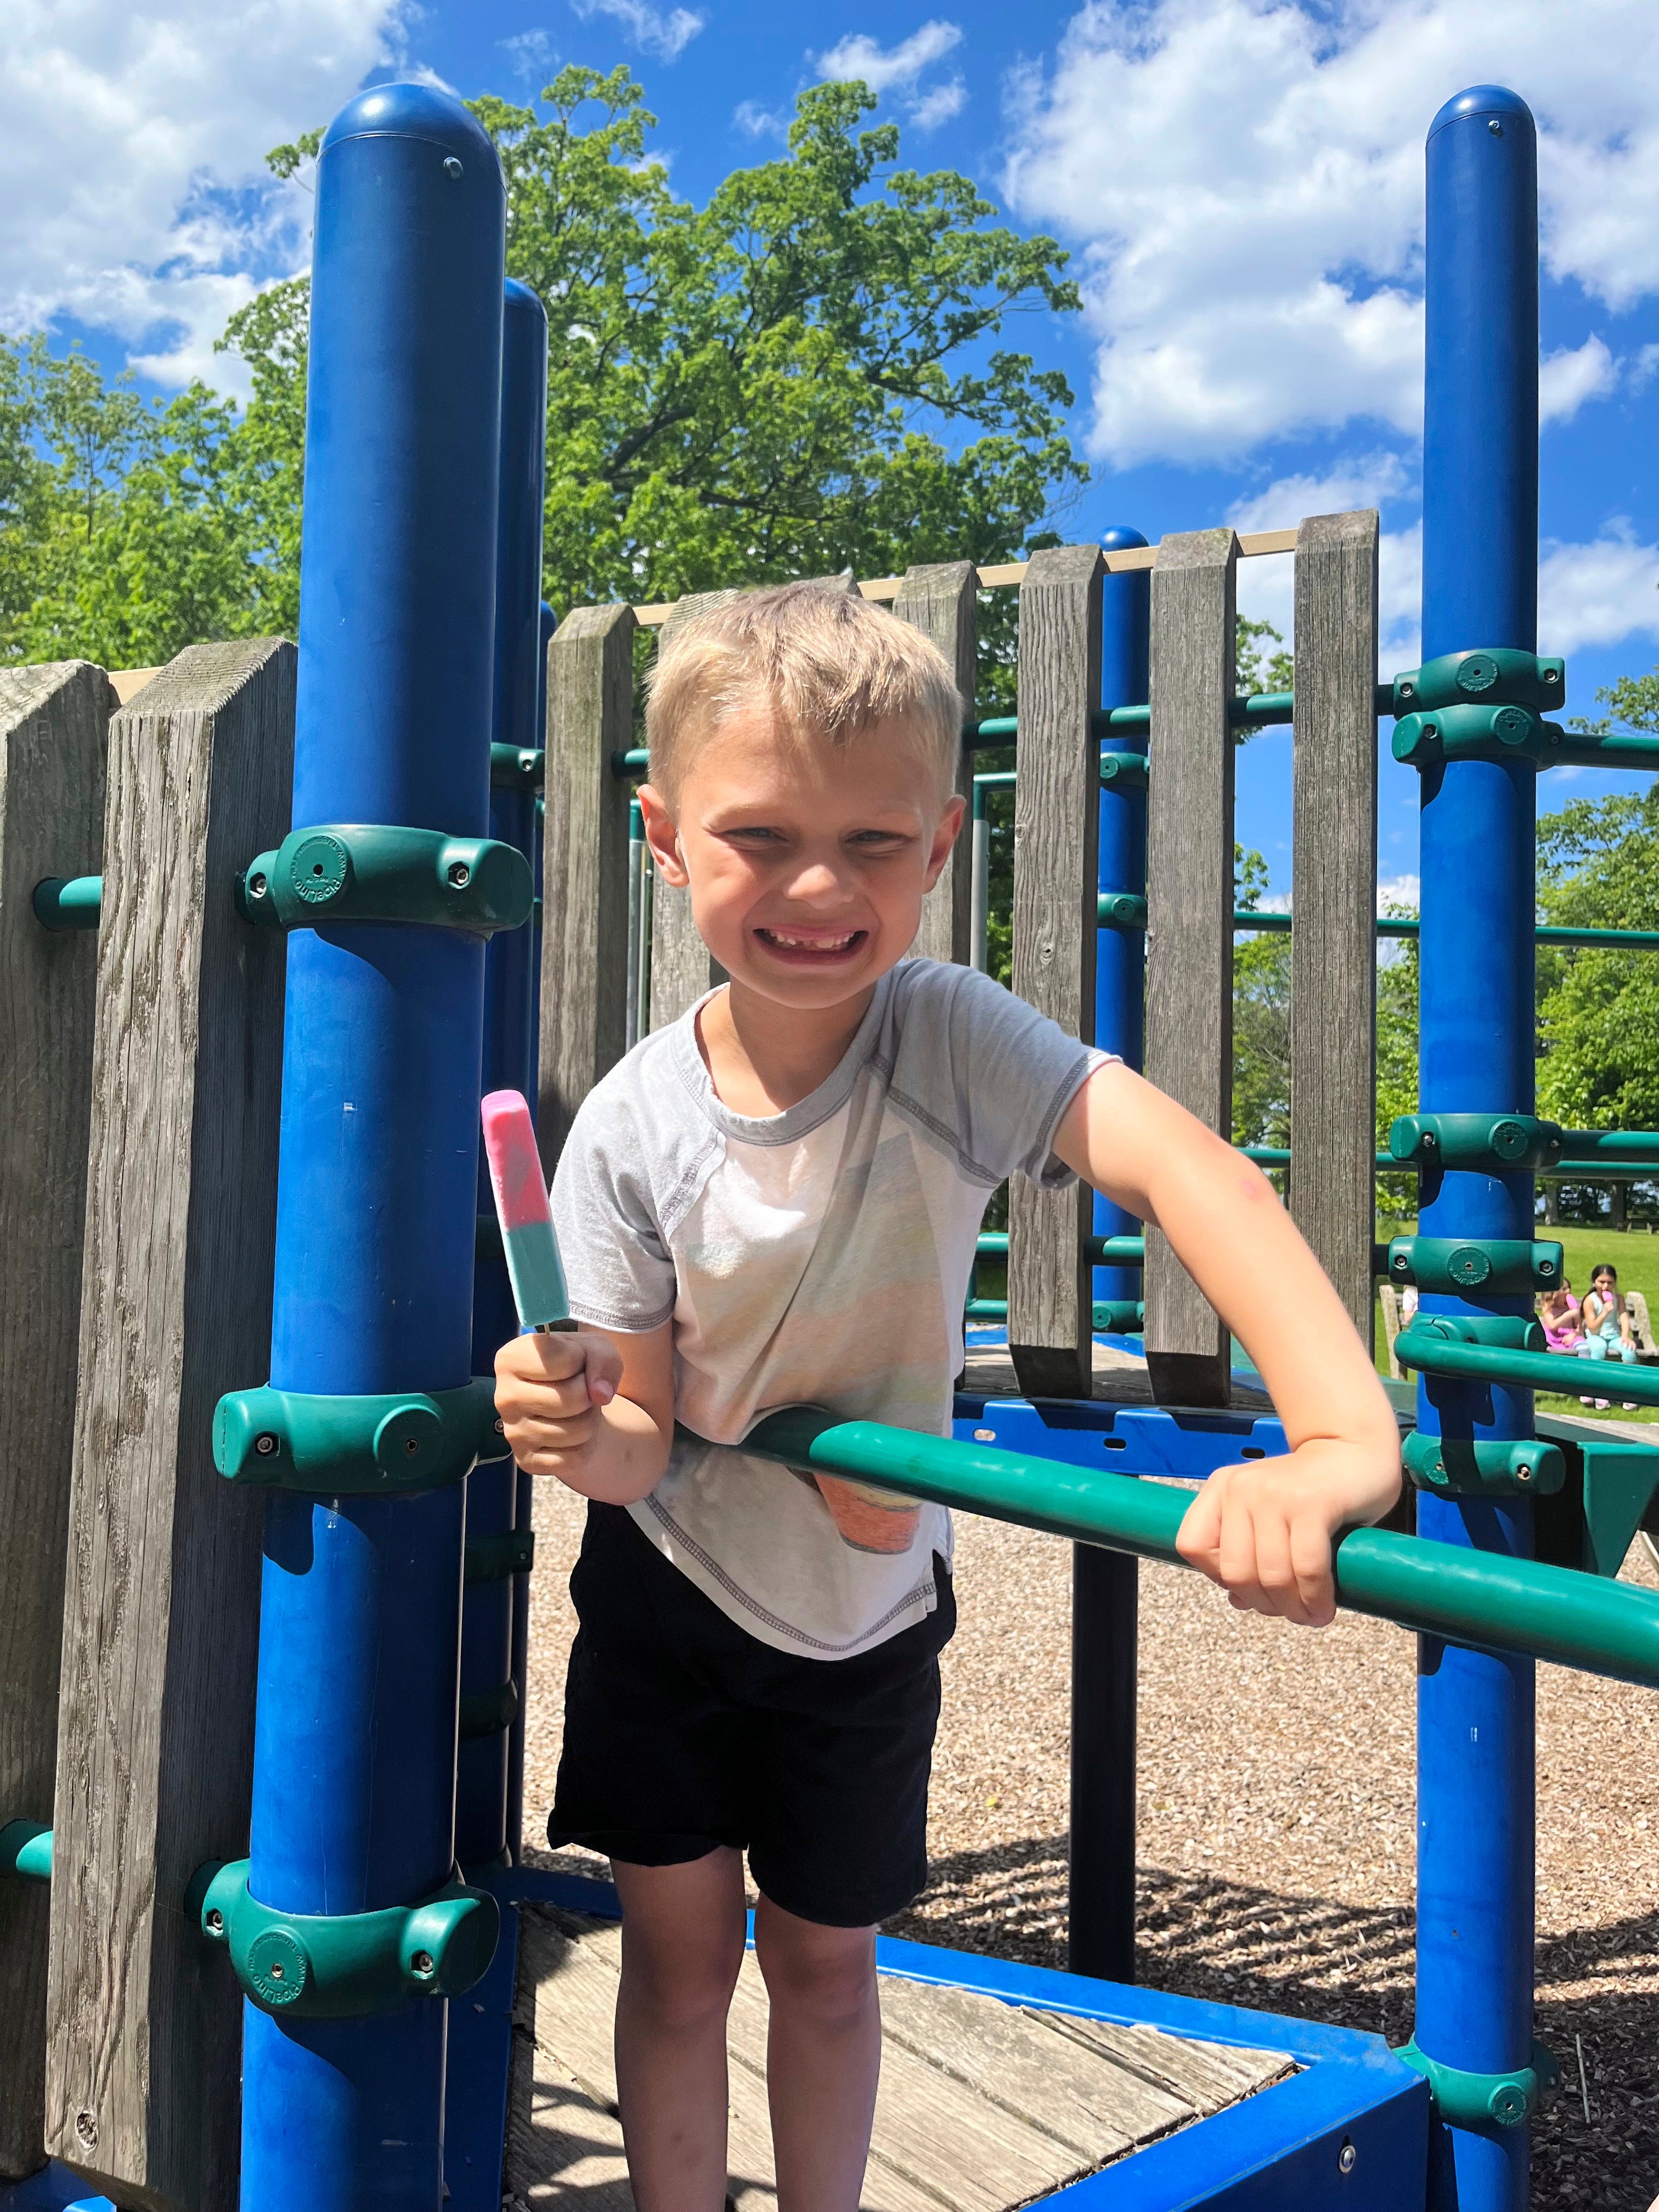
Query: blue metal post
[(484, 1765), (354, 1739), (1126, 618), (1105, 1585), (1476, 1772)]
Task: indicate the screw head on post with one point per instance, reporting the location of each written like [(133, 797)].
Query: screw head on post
[(1346, 2158), (453, 168)]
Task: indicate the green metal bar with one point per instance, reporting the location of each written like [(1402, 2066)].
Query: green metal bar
[(1122, 1317), (1486, 1600), (64, 902), (1581, 1147), (1101, 1251), (1562, 1372), (1614, 752)]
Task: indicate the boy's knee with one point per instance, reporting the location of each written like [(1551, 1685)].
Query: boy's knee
[(828, 1973), (685, 1977)]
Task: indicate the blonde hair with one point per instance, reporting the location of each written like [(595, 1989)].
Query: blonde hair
[(830, 664)]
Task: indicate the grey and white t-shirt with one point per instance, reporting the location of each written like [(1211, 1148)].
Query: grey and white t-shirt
[(817, 1256)]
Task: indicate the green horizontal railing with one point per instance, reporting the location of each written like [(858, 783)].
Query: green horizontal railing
[(1564, 1371), (1117, 1316), (1104, 1251), (1128, 910), (1479, 1598)]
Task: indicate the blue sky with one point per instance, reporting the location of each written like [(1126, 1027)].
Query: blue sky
[(1239, 182)]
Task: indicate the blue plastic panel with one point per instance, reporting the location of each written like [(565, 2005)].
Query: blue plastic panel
[(1127, 1439)]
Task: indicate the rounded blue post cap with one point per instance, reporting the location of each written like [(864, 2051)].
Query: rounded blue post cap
[(1120, 537), (523, 300), (1488, 99), (411, 111)]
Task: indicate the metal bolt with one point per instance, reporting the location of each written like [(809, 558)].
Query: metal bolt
[(85, 2129), (460, 874), (452, 166), (275, 1969), (422, 1962), (264, 1445), (1407, 690), (1346, 2158), (1494, 126), (1523, 1472), (216, 1921), (1432, 729), (257, 886), (412, 1445), (500, 1427)]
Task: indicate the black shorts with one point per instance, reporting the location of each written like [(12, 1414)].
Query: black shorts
[(682, 1732)]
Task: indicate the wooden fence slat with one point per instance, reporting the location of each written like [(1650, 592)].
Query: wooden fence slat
[(1056, 842), (54, 724), (1333, 895), (584, 990), (682, 967), (1189, 903), (162, 1598), (941, 598)]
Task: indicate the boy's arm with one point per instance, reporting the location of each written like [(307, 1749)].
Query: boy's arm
[(1264, 1530), (595, 1409)]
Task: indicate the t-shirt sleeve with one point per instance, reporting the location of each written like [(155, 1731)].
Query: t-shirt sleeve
[(987, 1073), (616, 1265)]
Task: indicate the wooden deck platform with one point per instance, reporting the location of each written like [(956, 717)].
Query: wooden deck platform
[(989, 1373), (983, 2105)]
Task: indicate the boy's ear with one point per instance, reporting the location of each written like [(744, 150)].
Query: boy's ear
[(950, 825), (662, 837)]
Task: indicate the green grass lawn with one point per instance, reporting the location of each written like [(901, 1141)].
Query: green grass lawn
[(1635, 1253)]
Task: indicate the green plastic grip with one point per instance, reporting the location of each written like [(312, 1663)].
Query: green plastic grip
[(1494, 675), (1494, 1266), (1484, 1599), (1483, 2100), (392, 1444), (1121, 910), (1470, 732), (516, 768), (1498, 1144), (303, 1966), (1123, 771), (380, 871), (26, 1851), (1483, 1467)]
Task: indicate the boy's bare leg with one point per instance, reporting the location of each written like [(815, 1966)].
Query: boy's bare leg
[(682, 1934), (823, 2056)]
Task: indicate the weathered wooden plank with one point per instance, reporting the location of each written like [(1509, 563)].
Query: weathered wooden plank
[(1205, 2077), (682, 967), (1333, 893), (1056, 842), (941, 600), (162, 1599), (1189, 907), (584, 982), (54, 722), (1011, 2058)]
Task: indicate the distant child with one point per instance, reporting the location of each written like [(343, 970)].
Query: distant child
[(1559, 1312), (1607, 1334), (774, 1202)]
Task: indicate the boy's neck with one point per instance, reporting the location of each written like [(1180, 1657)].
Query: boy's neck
[(763, 1058)]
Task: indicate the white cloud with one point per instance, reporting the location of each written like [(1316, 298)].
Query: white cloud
[(531, 54), (663, 34), (131, 149), (1599, 593), (1245, 181), (757, 122), (1266, 583), (887, 69), (883, 67), (1566, 380)]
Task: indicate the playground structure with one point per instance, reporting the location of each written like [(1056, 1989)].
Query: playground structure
[(258, 1765)]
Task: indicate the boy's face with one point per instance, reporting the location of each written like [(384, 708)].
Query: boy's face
[(807, 864)]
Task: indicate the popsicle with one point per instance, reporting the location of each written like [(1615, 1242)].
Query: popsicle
[(522, 1209)]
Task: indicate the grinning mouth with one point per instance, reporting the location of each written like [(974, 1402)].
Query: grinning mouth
[(810, 942)]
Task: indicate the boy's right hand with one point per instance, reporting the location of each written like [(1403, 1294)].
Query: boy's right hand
[(550, 1389)]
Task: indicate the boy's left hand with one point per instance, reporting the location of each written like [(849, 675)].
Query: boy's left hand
[(1265, 1531)]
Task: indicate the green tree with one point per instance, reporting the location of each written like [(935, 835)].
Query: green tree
[(1262, 1017)]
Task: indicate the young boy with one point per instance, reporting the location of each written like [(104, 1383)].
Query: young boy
[(774, 1201)]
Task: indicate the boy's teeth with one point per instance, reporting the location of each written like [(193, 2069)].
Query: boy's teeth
[(813, 944)]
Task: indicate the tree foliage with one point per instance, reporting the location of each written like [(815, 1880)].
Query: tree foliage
[(809, 373), (1598, 1014)]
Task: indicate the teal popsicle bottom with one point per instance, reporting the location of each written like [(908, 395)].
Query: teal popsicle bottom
[(537, 1278)]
